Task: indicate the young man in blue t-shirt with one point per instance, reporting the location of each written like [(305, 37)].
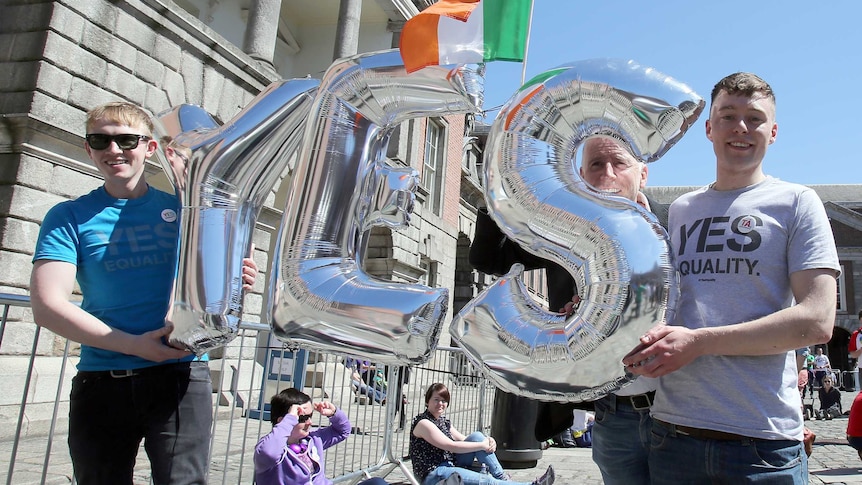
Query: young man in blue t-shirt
[(120, 243)]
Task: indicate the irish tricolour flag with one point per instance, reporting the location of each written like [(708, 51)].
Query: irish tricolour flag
[(466, 32)]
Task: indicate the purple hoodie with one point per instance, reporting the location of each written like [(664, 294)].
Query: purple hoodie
[(276, 464)]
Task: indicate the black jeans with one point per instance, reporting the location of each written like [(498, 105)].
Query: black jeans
[(168, 406)]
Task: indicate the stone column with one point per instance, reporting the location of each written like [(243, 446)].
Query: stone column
[(347, 31), (261, 30)]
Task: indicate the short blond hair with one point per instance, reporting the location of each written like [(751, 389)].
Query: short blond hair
[(121, 112)]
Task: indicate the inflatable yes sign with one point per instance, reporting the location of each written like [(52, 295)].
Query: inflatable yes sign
[(318, 295)]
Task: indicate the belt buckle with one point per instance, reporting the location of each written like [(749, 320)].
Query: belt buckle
[(640, 402), (120, 374)]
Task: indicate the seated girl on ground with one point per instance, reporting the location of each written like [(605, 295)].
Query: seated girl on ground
[(291, 453), (438, 450)]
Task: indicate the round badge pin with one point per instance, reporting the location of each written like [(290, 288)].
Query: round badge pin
[(169, 215), (746, 224)]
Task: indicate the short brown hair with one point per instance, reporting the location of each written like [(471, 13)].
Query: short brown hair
[(121, 112), (744, 83), (438, 388)]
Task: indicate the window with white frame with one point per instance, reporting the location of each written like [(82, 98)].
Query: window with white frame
[(841, 305), (435, 160), (429, 278), (536, 283)]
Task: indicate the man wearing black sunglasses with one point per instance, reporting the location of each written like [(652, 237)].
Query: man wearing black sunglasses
[(101, 141), (120, 243)]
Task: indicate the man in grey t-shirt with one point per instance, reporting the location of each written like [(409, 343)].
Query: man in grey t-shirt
[(757, 265)]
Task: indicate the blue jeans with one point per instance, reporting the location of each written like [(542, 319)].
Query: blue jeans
[(678, 459), (585, 440), (463, 462), (168, 406), (365, 390), (621, 441)]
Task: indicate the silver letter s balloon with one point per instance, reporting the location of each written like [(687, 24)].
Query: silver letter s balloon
[(230, 170), (617, 252), (319, 296)]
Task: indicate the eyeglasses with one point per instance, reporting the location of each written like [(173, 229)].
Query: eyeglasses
[(184, 158), (437, 400), (100, 141), (304, 417)]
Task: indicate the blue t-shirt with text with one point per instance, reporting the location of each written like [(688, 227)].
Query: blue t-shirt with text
[(125, 251)]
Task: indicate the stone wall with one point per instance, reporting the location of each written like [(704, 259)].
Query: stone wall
[(60, 58)]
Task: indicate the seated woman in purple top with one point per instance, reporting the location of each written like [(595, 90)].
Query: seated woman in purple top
[(291, 453)]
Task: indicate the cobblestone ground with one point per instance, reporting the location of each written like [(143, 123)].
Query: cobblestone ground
[(833, 461)]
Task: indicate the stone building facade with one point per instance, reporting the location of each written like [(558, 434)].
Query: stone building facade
[(63, 57)]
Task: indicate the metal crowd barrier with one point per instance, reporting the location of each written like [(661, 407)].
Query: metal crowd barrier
[(850, 380), (38, 368)]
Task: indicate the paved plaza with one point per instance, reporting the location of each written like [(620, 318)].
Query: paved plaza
[(833, 460)]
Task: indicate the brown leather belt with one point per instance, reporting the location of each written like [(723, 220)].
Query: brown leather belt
[(704, 434)]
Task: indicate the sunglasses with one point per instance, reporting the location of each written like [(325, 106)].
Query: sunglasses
[(99, 141), (304, 417)]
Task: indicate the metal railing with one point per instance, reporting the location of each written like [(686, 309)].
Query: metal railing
[(35, 399), (848, 378)]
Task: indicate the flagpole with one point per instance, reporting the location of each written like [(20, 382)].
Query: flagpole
[(527, 45)]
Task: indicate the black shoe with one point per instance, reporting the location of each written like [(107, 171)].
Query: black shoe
[(546, 479)]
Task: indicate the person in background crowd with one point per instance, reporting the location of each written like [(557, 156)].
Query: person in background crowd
[(830, 400), (854, 425), (579, 435), (809, 369), (822, 366), (758, 266), (802, 383), (438, 450), (855, 348), (366, 379)]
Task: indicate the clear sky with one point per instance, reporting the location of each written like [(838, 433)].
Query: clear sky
[(809, 52)]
